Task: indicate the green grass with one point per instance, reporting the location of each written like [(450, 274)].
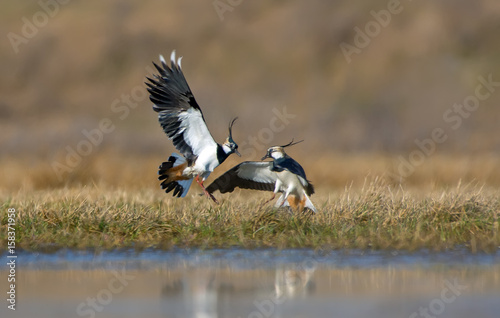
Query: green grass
[(377, 217)]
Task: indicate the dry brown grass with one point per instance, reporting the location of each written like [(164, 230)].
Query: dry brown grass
[(376, 216), (112, 200)]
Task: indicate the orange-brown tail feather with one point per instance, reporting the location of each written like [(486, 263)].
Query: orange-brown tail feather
[(170, 173), (293, 201)]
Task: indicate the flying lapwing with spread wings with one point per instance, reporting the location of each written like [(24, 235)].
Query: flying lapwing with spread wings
[(282, 174), (183, 122)]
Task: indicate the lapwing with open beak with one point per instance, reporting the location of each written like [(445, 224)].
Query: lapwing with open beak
[(182, 120), (282, 174)]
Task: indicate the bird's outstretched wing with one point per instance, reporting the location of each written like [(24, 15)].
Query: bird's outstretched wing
[(256, 175), (179, 113)]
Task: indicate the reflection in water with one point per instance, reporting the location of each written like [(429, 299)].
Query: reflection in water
[(195, 295), (206, 293), (218, 286), (292, 282)]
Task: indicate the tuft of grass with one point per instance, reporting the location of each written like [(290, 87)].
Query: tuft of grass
[(376, 216)]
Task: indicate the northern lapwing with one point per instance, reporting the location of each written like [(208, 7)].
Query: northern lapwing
[(183, 122), (282, 174)]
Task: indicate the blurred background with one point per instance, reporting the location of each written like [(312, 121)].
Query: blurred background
[(360, 85)]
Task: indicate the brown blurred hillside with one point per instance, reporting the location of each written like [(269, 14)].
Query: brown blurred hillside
[(84, 58)]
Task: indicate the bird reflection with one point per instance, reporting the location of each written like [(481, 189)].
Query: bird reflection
[(210, 293), (293, 281), (195, 295)]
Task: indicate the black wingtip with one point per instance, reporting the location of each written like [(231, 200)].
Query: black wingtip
[(160, 69)]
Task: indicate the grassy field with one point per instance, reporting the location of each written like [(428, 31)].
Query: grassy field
[(375, 216)]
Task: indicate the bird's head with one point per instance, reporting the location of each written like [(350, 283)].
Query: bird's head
[(229, 145), (274, 152), (277, 152)]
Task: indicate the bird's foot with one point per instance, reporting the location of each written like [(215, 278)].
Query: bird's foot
[(211, 196), (208, 194)]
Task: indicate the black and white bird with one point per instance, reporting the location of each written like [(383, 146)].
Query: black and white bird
[(183, 122), (282, 174)]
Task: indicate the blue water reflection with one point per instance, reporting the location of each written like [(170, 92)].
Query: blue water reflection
[(249, 258), (256, 283)]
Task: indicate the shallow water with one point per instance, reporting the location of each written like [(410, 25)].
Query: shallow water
[(255, 283)]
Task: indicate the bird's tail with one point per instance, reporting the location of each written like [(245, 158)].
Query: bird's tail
[(296, 202), (171, 173), (308, 204)]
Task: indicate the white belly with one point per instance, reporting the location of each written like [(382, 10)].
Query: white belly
[(290, 183), (204, 165)]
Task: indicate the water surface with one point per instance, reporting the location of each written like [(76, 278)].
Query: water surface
[(256, 283)]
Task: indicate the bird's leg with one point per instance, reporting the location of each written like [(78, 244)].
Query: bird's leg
[(291, 203), (272, 198), (285, 198), (205, 190), (267, 201)]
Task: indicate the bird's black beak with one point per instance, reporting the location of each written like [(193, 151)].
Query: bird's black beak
[(266, 156), (237, 152)]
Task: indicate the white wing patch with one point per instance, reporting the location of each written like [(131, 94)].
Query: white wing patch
[(195, 131), (172, 58), (257, 171)]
